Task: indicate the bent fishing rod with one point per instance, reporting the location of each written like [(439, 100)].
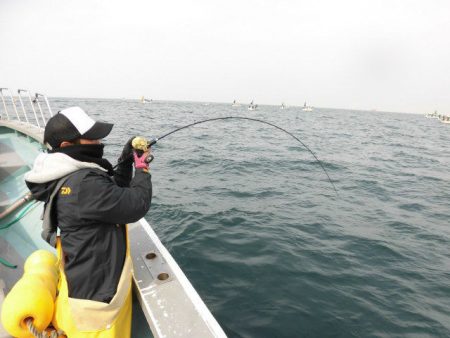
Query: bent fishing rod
[(157, 139)]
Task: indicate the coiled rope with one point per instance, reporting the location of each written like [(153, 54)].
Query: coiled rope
[(45, 334)]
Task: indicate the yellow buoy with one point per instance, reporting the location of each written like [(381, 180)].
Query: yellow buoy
[(47, 277), (41, 258), (32, 296)]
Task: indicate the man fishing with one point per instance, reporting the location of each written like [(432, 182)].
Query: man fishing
[(90, 203)]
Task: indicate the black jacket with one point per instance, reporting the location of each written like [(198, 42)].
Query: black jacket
[(91, 209)]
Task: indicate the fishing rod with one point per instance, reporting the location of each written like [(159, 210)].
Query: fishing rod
[(155, 140)]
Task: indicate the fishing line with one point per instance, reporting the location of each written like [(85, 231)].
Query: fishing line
[(155, 140)]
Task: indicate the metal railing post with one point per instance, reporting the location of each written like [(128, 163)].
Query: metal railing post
[(13, 104), (34, 110), (21, 103), (36, 98), (46, 101), (4, 103)]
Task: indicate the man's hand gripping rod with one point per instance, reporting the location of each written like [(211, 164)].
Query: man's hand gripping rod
[(141, 145)]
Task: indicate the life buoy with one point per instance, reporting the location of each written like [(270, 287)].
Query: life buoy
[(32, 296)]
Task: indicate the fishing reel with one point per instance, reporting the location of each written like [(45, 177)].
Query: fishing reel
[(141, 145)]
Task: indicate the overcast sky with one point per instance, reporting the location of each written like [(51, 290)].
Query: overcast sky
[(387, 54)]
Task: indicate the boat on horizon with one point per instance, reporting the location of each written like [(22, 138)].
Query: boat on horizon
[(433, 115), (252, 106), (445, 119), (235, 104), (165, 304), (144, 100), (307, 108)]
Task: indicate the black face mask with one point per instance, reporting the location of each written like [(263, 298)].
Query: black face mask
[(92, 153)]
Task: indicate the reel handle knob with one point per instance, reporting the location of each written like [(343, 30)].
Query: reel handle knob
[(149, 158)]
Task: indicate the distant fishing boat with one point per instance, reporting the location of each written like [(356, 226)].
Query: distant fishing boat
[(144, 100), (433, 115), (165, 305), (445, 119), (252, 106), (307, 108), (235, 104)]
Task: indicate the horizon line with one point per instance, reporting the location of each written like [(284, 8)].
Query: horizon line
[(244, 104)]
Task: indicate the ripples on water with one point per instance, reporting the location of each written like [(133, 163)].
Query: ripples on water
[(257, 228)]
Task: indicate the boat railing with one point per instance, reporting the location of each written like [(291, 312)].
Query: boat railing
[(31, 111)]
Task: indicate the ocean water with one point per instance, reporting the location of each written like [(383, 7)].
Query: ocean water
[(256, 226)]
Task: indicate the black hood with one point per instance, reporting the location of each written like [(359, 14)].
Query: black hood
[(42, 191)]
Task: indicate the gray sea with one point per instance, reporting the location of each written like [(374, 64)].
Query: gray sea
[(256, 226)]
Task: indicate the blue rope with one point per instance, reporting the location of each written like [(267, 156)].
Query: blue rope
[(7, 264)]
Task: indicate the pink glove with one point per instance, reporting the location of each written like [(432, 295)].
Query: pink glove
[(140, 162)]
